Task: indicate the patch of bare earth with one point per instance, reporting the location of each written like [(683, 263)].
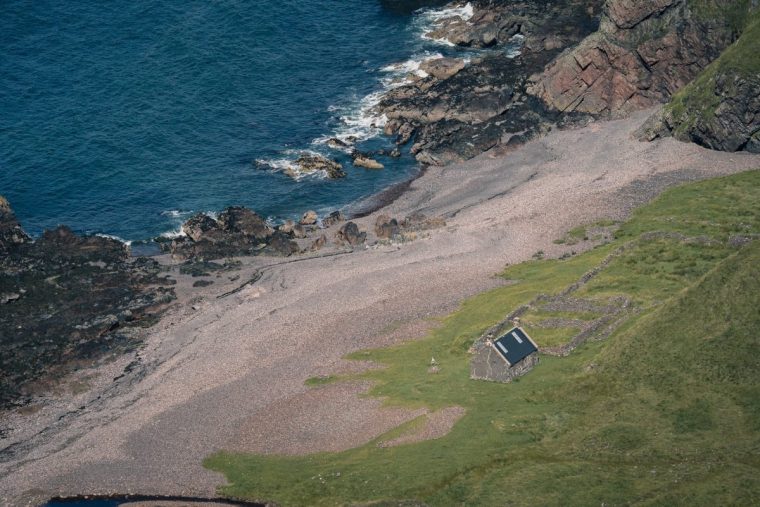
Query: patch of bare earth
[(437, 424), (328, 418)]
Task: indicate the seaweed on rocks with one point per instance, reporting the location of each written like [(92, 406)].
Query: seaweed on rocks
[(67, 301)]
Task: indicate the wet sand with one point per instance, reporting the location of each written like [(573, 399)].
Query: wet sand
[(219, 373)]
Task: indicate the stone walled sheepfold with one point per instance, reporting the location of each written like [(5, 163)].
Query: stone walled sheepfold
[(505, 358)]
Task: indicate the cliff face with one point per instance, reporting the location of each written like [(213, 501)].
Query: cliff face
[(643, 53), (721, 108)]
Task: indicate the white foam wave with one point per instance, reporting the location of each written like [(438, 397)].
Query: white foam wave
[(127, 242), (177, 233), (400, 73), (360, 120), (429, 20), (174, 213), (514, 49), (464, 12), (287, 164)]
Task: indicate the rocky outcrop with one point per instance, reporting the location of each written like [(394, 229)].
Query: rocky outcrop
[(393, 229), (66, 301), (721, 108), (236, 231), (386, 227), (11, 233), (311, 163), (733, 124), (442, 68), (643, 53), (459, 111)]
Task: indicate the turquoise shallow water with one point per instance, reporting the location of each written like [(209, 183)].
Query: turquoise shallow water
[(124, 118)]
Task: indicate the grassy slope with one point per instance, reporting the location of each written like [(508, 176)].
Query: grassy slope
[(665, 411), (698, 100)]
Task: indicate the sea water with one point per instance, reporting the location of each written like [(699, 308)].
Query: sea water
[(124, 118)]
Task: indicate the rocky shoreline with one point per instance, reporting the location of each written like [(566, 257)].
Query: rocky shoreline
[(67, 301), (578, 61), (70, 302)]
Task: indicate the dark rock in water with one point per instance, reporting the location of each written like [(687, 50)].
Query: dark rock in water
[(308, 164), (68, 301), (350, 234), (366, 162), (387, 227), (333, 218), (338, 144), (63, 246)]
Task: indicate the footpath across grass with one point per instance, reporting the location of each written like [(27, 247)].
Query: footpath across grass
[(664, 411)]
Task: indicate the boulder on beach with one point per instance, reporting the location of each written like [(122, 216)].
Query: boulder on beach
[(309, 218), (350, 234), (281, 244), (333, 218), (318, 243), (386, 227)]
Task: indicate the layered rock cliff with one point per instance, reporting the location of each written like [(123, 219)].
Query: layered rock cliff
[(644, 52), (721, 108)]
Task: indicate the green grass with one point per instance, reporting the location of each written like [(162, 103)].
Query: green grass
[(666, 411), (734, 12), (550, 337)]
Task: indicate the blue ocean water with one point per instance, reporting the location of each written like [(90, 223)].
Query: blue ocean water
[(126, 117)]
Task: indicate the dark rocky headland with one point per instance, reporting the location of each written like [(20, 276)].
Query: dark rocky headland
[(581, 61), (67, 301)]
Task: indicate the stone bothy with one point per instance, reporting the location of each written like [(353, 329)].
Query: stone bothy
[(502, 354)]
